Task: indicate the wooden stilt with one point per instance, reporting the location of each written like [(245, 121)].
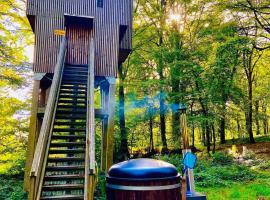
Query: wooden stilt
[(110, 129), (104, 105), (90, 129), (91, 186), (33, 127)]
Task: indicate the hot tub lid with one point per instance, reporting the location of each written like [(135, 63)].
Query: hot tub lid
[(142, 169)]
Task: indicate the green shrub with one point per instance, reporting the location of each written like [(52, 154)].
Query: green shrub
[(100, 193), (221, 158), (250, 155), (264, 165), (219, 171), (11, 188), (207, 174), (174, 159)]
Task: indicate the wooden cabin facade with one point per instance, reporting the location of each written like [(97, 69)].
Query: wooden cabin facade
[(109, 21), (79, 45)]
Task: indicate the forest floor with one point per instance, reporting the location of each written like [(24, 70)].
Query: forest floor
[(257, 161), (261, 148)]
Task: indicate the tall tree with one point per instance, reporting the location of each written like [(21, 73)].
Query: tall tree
[(160, 69), (123, 153)]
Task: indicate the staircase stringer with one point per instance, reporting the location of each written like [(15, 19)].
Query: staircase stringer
[(40, 158), (90, 171), (49, 136)]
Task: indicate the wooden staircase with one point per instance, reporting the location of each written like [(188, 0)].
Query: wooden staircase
[(64, 165), (65, 169)]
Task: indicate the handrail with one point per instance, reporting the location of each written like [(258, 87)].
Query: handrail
[(90, 124), (45, 131)]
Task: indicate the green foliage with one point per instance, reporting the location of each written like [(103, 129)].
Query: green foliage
[(12, 136), (210, 175), (11, 188), (15, 35), (265, 165), (221, 158), (218, 171), (174, 159), (249, 191), (100, 193)]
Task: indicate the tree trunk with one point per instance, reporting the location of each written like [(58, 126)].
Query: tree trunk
[(163, 124), (151, 132), (238, 127), (193, 135), (203, 134), (223, 118), (246, 117), (265, 119), (222, 129), (123, 152), (208, 142), (175, 113), (161, 77), (214, 138), (250, 112), (257, 121)]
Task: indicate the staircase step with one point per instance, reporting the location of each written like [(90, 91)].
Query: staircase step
[(66, 159), (69, 130), (64, 168), (66, 151), (57, 123), (68, 116), (63, 187), (67, 144), (65, 82), (71, 112), (72, 107), (81, 109), (72, 96), (75, 77), (63, 177), (73, 87), (66, 197), (71, 71), (73, 92), (76, 68), (59, 137), (77, 101), (67, 78)]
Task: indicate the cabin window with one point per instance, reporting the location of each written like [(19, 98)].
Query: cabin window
[(100, 3)]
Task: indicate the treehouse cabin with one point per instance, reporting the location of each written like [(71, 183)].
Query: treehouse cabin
[(79, 45)]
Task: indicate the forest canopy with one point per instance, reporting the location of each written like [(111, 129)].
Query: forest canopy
[(212, 56), (15, 36)]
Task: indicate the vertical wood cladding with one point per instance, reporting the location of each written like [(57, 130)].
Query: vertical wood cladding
[(78, 41), (49, 16)]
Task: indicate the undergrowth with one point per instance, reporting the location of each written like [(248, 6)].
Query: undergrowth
[(11, 188), (217, 171)]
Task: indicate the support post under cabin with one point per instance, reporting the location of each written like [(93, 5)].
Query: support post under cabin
[(110, 129), (104, 105)]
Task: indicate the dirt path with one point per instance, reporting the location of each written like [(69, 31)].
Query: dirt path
[(261, 149)]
